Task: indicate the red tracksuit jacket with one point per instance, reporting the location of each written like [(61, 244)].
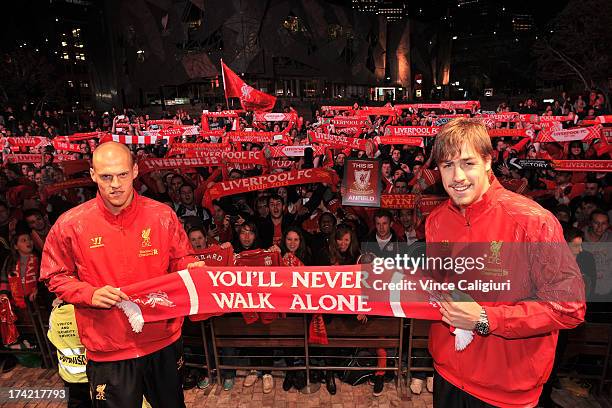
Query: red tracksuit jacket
[(88, 247), (508, 367)]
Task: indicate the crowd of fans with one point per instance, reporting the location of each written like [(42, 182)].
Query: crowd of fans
[(306, 224)]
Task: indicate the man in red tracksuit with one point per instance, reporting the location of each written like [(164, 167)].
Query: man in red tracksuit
[(515, 331), (92, 251)]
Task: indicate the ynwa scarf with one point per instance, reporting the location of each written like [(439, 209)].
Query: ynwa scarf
[(264, 182), (28, 141), (271, 289)]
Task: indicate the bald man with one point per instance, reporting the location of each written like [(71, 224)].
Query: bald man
[(93, 250)]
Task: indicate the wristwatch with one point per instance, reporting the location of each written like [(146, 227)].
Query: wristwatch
[(482, 325)]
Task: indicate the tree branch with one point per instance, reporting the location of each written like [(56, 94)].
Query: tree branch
[(572, 66)]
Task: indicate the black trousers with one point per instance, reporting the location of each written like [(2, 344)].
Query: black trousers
[(78, 395), (121, 384), (446, 395)]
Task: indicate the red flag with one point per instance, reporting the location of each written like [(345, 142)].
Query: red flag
[(250, 98)]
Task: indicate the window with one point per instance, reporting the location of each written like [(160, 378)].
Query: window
[(64, 43), (65, 56), (84, 84), (70, 84)]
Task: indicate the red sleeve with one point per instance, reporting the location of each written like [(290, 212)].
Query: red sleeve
[(59, 270), (559, 288)]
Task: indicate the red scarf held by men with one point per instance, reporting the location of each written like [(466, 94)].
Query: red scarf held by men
[(264, 182)]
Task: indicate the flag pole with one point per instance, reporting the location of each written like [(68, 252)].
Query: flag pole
[(224, 90)]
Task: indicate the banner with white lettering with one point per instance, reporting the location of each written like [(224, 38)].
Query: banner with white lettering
[(361, 184), (264, 182)]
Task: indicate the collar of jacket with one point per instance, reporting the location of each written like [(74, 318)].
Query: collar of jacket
[(125, 217), (488, 200)]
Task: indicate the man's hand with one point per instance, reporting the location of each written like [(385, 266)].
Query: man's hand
[(107, 296), (462, 315), (196, 264)]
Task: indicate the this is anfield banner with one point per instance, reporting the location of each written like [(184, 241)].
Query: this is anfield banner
[(264, 182), (568, 135), (338, 141), (583, 165), (348, 289), (361, 184), (250, 98), (412, 130)]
